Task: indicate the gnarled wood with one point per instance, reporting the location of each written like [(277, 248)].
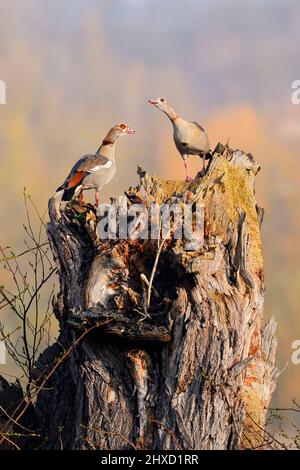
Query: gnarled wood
[(198, 371)]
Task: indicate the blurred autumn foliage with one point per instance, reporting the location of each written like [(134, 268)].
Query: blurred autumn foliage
[(73, 68)]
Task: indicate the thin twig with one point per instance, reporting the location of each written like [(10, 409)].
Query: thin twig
[(155, 267), (266, 432), (9, 441), (48, 376), (145, 280), (284, 409), (110, 433), (18, 255)]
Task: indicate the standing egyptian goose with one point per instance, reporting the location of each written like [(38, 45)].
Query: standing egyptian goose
[(97, 170), (189, 137)]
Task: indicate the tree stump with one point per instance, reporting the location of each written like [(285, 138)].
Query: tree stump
[(196, 369)]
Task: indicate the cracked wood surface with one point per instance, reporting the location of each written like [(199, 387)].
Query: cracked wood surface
[(201, 369)]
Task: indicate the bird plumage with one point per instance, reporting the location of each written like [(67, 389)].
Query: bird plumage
[(190, 138), (93, 171)]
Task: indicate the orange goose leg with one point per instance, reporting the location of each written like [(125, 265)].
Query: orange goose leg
[(81, 198), (203, 171), (188, 179), (97, 198)]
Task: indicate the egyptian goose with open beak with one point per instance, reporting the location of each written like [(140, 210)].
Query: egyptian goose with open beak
[(93, 171), (189, 137)]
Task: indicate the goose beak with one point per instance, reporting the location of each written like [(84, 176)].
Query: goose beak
[(130, 131), (155, 102)]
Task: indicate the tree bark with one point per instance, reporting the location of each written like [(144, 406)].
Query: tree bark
[(196, 370)]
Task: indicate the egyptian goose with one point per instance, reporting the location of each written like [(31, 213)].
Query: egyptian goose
[(94, 171), (189, 137)]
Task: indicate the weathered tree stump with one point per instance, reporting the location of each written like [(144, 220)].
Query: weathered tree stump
[(193, 371)]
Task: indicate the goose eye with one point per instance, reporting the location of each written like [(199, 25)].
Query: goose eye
[(122, 126), (162, 100)]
